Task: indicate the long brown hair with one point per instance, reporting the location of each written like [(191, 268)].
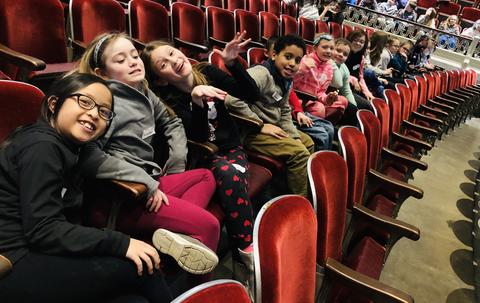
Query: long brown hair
[(377, 44), (198, 77)]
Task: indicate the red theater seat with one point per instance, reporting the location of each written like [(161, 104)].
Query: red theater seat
[(33, 44), (148, 21), (285, 271), (217, 291), (24, 110)]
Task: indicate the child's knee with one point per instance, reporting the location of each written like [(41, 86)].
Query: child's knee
[(209, 225)]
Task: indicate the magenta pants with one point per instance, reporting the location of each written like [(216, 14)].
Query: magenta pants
[(188, 194)]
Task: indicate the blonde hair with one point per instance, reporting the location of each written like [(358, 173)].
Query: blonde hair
[(198, 77), (93, 57)]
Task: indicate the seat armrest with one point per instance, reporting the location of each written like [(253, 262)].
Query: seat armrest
[(304, 96), (203, 148), (450, 100), (255, 44), (418, 144), (374, 289), (389, 183), (433, 111), (428, 119), (197, 47), (79, 45), (388, 154), (422, 129), (271, 164), (442, 106), (251, 124), (394, 227), (136, 190), (138, 44), (217, 42), (26, 63), (452, 97)]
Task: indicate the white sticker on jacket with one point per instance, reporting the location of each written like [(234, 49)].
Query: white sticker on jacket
[(239, 168), (148, 132), (277, 96)]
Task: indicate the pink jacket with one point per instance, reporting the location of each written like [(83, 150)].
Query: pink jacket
[(314, 80)]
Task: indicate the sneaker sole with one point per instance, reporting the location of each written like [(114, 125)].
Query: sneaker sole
[(191, 257)]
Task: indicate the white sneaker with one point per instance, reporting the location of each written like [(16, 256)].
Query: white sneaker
[(190, 254)]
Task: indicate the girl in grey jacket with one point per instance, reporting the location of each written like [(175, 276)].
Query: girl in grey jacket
[(177, 199)]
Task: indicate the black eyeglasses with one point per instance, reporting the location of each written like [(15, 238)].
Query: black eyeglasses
[(87, 102)]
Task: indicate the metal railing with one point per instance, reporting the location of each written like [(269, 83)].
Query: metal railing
[(411, 30)]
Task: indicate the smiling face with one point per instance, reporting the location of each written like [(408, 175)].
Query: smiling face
[(452, 20), (78, 124), (341, 52), (170, 64), (324, 49), (358, 43), (122, 63), (288, 60)]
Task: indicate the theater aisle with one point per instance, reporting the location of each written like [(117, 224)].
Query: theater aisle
[(438, 267)]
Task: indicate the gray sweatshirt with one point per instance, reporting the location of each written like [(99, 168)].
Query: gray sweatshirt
[(272, 108), (126, 152)]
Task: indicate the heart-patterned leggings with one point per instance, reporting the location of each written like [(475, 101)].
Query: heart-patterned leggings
[(230, 169)]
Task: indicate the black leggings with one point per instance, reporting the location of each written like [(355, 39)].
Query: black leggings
[(42, 278), (232, 192)]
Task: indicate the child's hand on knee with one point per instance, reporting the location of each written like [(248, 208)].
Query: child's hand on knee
[(140, 252), (303, 120), (274, 131), (155, 201)]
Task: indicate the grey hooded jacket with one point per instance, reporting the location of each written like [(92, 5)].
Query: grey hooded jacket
[(126, 152)]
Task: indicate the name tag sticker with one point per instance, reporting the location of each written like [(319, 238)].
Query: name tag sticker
[(148, 132), (277, 96)]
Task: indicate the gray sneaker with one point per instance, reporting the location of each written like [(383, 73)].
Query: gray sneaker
[(190, 254)]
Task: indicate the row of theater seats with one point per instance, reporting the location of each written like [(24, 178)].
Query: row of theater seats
[(367, 183), (465, 13), (275, 7), (186, 25)]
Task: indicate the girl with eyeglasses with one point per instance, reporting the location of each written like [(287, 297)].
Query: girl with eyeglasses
[(49, 256), (356, 64), (315, 76), (176, 199)]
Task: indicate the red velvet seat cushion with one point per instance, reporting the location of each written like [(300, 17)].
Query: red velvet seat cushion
[(415, 134), (382, 205), (258, 178), (404, 148), (366, 258), (392, 172)]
